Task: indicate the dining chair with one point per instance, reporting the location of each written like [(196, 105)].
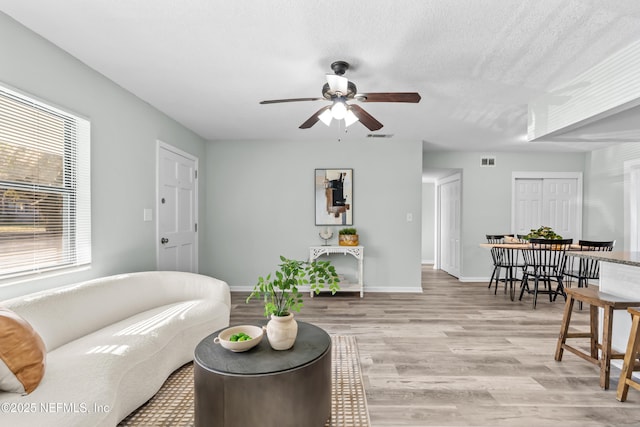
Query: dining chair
[(545, 262), (585, 269), (509, 262), (496, 256)]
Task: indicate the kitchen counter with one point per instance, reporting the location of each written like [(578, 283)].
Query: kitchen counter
[(626, 258)]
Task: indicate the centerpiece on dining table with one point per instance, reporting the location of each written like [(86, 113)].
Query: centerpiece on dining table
[(542, 233), (545, 233)]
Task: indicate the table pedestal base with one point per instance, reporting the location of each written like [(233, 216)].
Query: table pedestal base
[(292, 398)]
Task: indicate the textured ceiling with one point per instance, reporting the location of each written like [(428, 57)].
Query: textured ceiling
[(207, 63)]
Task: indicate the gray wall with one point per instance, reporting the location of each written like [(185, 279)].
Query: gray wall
[(124, 131), (260, 205), (486, 196), (604, 193)]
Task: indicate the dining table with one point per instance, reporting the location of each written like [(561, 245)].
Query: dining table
[(516, 248), (520, 246)]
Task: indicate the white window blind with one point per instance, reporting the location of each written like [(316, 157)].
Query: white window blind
[(45, 200)]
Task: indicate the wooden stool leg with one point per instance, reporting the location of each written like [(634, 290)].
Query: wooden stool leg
[(564, 328), (605, 362), (593, 328), (629, 359)]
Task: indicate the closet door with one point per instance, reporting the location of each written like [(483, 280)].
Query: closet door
[(528, 205), (548, 201), (559, 199)]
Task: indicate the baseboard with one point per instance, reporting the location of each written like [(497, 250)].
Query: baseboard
[(389, 289), (385, 289), (428, 261), (474, 279)]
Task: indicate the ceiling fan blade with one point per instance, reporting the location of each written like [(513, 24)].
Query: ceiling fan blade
[(338, 83), (314, 119), (413, 97), (275, 101), (365, 118)]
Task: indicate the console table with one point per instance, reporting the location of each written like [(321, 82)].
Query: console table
[(356, 251)]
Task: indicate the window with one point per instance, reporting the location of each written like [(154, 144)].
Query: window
[(45, 203)]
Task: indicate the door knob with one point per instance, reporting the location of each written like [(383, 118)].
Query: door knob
[(164, 240)]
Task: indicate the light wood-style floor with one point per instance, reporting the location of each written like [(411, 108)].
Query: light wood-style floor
[(458, 355)]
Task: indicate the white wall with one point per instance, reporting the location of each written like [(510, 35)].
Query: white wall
[(261, 204), (124, 131), (486, 196), (428, 222)]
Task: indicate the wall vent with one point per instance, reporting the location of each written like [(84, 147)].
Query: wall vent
[(487, 161)]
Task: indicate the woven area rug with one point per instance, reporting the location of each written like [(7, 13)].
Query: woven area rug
[(173, 404)]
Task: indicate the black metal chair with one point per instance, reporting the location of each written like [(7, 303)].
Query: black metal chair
[(545, 262), (495, 255), (502, 258), (510, 262), (585, 269)]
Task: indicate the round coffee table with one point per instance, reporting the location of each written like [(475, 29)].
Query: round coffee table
[(264, 387)]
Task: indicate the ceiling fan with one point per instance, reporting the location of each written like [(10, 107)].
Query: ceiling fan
[(339, 90)]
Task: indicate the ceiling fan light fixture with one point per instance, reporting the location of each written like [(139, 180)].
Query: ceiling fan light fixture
[(339, 110), (338, 84), (349, 118), (326, 117)]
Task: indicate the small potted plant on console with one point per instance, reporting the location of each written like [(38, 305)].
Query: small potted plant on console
[(348, 237)]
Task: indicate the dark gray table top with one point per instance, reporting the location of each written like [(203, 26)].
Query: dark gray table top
[(311, 343)]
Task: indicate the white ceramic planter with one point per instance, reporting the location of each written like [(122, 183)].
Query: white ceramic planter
[(282, 331)]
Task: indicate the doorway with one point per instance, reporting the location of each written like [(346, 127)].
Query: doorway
[(632, 204), (449, 214), (177, 207)]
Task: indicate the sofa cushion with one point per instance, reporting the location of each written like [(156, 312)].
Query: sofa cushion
[(22, 354)]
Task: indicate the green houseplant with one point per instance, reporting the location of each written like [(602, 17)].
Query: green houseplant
[(348, 237), (281, 295), (542, 233)]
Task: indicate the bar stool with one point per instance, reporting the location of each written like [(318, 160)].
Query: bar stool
[(630, 357), (595, 299)]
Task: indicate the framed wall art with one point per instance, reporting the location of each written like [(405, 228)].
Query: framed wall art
[(334, 196)]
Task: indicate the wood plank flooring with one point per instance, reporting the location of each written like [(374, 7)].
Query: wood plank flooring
[(458, 355)]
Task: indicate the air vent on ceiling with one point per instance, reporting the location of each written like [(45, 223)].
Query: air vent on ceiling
[(380, 135), (487, 162)]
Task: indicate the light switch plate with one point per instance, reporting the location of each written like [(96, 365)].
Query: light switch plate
[(148, 214)]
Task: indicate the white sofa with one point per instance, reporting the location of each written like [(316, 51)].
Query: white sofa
[(111, 343)]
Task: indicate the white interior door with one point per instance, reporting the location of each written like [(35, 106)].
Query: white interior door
[(559, 203), (177, 207), (450, 226), (528, 205), (632, 205)]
